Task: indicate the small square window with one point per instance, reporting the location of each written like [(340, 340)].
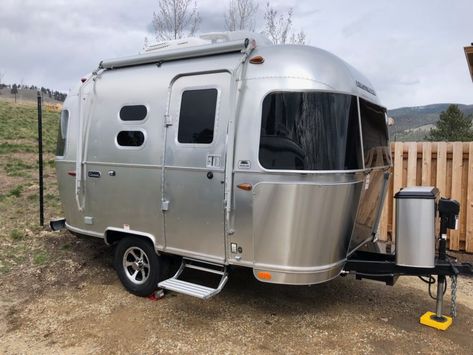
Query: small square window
[(197, 116)]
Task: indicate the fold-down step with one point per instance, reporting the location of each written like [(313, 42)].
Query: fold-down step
[(193, 289)]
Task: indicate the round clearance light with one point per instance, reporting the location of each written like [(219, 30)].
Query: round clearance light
[(257, 60)]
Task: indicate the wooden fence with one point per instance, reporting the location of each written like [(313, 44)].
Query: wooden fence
[(449, 166)]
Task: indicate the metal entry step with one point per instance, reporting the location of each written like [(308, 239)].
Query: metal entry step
[(193, 289)]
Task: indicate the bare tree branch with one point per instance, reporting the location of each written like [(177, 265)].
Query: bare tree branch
[(175, 19), (278, 27), (298, 38), (240, 15)]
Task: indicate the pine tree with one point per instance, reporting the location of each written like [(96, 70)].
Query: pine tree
[(452, 126)]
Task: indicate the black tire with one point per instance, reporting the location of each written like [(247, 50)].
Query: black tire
[(137, 278)]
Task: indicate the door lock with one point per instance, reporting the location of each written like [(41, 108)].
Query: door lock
[(210, 175)]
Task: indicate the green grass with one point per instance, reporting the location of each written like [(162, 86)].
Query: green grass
[(6, 148), (17, 167), (16, 191), (15, 234), (40, 258), (19, 122), (19, 196)]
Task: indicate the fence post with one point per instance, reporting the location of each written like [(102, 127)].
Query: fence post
[(40, 160)]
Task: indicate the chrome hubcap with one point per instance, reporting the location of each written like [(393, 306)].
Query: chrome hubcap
[(136, 265)]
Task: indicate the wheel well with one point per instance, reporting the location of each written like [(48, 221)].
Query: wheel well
[(112, 237)]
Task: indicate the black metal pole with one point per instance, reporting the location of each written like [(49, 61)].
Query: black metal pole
[(40, 160), (441, 278)]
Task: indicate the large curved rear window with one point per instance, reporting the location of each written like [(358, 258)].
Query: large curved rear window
[(310, 131), (375, 135)]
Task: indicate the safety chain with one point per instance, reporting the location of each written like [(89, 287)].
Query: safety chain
[(453, 298)]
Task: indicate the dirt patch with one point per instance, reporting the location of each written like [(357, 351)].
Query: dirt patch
[(76, 304)]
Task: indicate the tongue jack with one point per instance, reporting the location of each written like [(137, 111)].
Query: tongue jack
[(448, 212)]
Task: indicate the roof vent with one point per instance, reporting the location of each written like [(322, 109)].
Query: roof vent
[(208, 38), (177, 43)]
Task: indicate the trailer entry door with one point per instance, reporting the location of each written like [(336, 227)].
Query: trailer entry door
[(195, 166)]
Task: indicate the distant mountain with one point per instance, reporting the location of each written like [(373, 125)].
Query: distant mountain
[(413, 123)]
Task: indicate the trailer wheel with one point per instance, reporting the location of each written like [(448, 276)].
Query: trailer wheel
[(138, 266)]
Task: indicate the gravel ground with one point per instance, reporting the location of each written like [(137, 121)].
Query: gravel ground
[(76, 304)]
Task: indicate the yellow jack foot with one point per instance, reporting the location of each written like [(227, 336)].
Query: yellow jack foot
[(429, 319)]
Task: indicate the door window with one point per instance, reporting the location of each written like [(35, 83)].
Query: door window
[(197, 116)]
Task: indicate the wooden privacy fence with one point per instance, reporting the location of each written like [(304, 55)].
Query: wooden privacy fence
[(448, 166)]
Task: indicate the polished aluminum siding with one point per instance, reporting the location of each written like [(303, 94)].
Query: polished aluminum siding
[(296, 249), (303, 228)]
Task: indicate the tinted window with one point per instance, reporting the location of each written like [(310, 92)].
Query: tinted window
[(133, 113), (375, 135), (197, 116), (62, 133), (310, 131), (130, 138)]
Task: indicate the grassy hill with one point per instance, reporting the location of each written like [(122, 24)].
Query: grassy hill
[(18, 127), (20, 241)]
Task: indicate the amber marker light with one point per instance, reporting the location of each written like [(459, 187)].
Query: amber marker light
[(245, 186), (257, 60), (264, 275)]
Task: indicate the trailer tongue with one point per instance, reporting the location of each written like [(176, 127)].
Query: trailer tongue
[(381, 264)]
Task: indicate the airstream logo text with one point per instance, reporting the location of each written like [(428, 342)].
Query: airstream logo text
[(366, 88)]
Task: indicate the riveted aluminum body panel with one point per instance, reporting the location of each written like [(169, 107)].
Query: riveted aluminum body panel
[(244, 223), (66, 192), (194, 223), (303, 228), (415, 231)]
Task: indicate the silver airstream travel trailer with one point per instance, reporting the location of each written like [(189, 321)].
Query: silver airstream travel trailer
[(226, 151)]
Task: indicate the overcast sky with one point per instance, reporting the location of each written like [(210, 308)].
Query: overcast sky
[(412, 51)]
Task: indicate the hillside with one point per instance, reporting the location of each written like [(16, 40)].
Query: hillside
[(413, 123), (30, 94), (18, 127)]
